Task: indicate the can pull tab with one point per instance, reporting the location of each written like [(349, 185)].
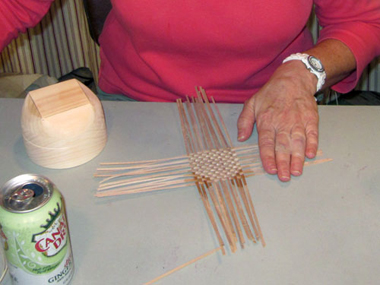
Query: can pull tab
[(21, 198)]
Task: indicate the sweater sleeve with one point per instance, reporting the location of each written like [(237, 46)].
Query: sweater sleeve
[(356, 23), (18, 15)]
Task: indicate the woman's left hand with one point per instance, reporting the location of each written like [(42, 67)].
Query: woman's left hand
[(286, 117)]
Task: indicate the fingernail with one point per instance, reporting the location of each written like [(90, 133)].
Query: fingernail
[(241, 137), (284, 178), (296, 172), (310, 154)]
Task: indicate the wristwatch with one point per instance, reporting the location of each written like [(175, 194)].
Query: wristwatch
[(313, 64)]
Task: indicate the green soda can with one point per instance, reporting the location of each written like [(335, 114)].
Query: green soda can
[(34, 231)]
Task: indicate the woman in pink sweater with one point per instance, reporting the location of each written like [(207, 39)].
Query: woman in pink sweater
[(239, 52)]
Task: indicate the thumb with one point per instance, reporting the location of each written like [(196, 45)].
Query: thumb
[(246, 120)]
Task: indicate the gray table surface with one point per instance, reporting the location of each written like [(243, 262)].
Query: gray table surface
[(320, 228)]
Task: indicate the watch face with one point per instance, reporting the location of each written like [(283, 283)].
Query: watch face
[(315, 63)]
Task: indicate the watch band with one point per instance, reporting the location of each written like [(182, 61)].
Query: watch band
[(313, 64)]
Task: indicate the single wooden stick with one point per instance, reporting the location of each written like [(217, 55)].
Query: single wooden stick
[(247, 147), (184, 265), (318, 161), (122, 191), (254, 173)]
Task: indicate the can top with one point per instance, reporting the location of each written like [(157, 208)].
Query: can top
[(26, 193)]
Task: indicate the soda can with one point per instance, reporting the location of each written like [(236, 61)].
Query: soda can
[(34, 231)]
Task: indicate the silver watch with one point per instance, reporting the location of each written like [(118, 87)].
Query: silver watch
[(313, 64)]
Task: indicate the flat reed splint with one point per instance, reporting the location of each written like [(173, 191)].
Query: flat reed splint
[(212, 164)]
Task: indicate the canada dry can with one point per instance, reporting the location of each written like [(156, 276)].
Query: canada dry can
[(34, 231)]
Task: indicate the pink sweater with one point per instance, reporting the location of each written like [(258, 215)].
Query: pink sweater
[(159, 50)]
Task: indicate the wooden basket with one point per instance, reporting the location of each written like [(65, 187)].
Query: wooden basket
[(63, 125)]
